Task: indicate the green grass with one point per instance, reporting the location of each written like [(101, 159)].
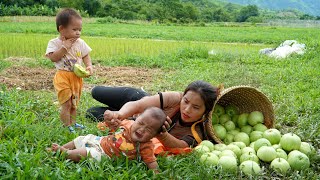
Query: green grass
[(244, 34), (106, 49), (29, 120)]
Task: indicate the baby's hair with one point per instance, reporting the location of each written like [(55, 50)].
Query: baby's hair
[(158, 114), (64, 16)]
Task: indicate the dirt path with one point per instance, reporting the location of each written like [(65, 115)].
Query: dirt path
[(27, 78)]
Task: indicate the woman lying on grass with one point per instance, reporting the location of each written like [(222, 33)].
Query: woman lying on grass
[(133, 140), (182, 109)]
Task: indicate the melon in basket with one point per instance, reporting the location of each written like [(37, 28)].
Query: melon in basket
[(241, 126), (248, 108)]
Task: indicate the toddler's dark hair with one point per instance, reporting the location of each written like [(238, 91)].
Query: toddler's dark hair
[(64, 16), (158, 114)]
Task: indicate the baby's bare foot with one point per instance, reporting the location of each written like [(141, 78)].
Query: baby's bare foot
[(55, 147)]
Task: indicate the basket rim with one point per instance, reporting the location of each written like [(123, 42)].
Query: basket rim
[(268, 105)]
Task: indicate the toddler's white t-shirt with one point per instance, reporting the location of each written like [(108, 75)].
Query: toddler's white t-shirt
[(74, 55)]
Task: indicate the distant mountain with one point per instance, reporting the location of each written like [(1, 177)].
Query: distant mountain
[(311, 7)]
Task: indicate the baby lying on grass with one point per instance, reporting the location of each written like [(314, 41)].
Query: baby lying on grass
[(133, 140)]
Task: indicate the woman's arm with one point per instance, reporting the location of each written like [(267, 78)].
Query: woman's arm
[(171, 103), (133, 107), (170, 141)]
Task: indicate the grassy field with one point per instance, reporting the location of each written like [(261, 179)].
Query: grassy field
[(29, 119), (250, 34)]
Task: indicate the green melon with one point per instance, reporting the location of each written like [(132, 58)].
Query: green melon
[(80, 71)]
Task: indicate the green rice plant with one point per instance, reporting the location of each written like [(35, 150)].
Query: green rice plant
[(23, 45), (116, 51), (235, 34)]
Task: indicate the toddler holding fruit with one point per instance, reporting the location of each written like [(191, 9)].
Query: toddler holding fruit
[(66, 51)]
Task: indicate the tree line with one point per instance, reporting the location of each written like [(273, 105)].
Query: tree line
[(175, 11)]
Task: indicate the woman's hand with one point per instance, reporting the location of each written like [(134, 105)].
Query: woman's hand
[(166, 124), (112, 119), (109, 115)]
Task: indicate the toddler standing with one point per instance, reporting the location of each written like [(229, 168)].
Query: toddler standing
[(66, 51)]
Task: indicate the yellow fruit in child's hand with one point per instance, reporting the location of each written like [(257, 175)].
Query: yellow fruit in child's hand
[(80, 71)]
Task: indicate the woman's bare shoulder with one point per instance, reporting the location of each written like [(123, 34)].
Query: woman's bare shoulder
[(172, 98), (173, 93)]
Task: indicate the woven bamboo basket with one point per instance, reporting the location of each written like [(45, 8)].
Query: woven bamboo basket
[(246, 99)]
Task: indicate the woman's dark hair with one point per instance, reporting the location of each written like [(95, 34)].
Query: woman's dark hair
[(207, 92), (64, 16)]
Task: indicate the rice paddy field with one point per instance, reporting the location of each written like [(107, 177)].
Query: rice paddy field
[(156, 58)]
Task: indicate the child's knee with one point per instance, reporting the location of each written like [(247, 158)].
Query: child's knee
[(67, 104)]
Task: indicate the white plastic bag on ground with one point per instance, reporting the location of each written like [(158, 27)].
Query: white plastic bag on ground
[(288, 43), (285, 49), (266, 51)]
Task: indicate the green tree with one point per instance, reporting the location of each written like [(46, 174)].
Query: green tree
[(306, 17), (105, 10), (172, 9), (246, 12), (76, 4), (91, 6), (191, 11), (206, 14), (215, 15), (52, 3), (154, 12), (22, 3), (220, 15)]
